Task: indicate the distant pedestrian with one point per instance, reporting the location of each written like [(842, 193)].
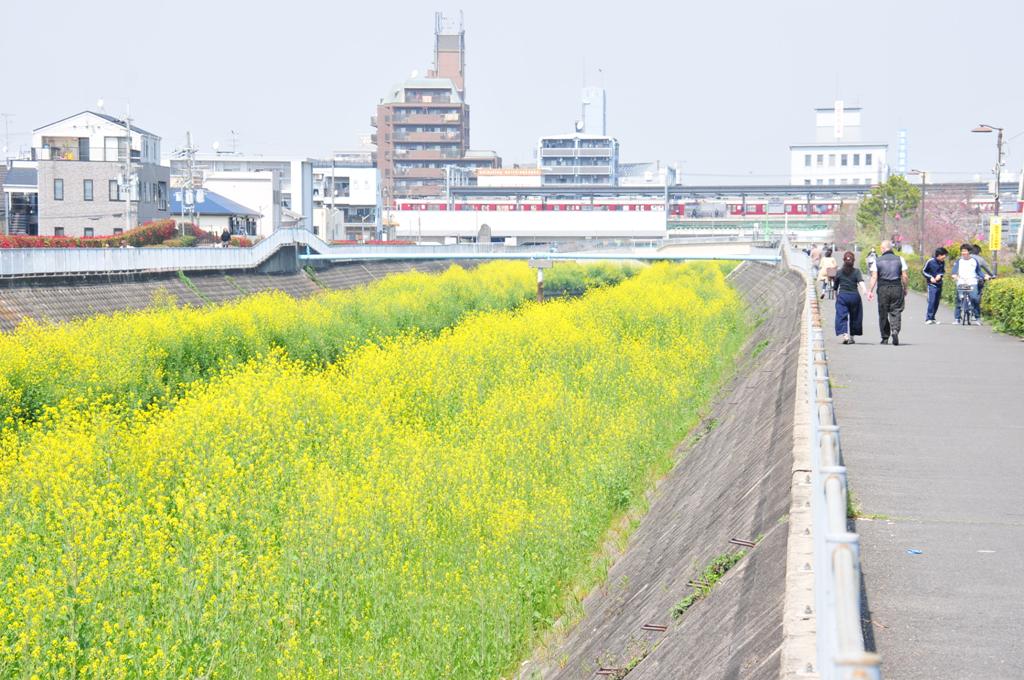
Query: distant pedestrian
[(984, 275), (225, 238), (934, 270), (849, 311), (871, 259), (827, 269), (815, 260), (890, 277)]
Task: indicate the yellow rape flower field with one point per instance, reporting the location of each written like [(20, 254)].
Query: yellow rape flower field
[(414, 507)]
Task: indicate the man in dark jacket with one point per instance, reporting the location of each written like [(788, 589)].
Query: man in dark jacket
[(934, 270), (890, 277)]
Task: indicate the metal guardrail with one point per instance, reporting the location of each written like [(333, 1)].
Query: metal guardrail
[(39, 262), (837, 576), (42, 262)]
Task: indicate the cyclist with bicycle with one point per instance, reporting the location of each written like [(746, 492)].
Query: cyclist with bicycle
[(967, 273), (827, 270)]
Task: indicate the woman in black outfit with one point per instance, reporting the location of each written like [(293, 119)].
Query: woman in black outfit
[(849, 310)]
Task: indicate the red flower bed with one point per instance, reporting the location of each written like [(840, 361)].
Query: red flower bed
[(148, 234)]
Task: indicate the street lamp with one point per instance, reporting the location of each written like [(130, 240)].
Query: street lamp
[(924, 182), (999, 166)]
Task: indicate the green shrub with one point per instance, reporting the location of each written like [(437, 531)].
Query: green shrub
[(1003, 302)]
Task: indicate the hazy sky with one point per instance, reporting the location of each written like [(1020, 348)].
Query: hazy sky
[(723, 87)]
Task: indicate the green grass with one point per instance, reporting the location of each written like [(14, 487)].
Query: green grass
[(708, 578)]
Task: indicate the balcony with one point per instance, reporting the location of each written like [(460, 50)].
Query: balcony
[(420, 173), (577, 170), (428, 119), (570, 152), (447, 137), (426, 154), (373, 121)]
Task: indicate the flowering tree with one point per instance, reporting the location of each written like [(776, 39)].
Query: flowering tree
[(949, 218)]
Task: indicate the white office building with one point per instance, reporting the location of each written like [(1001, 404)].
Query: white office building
[(839, 155), (578, 160)]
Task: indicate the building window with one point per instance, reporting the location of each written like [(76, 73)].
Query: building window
[(87, 189), (867, 159), (820, 181), (58, 231), (807, 181), (867, 180), (115, 192), (807, 160), (832, 181), (821, 160), (842, 181), (831, 160), (58, 190), (843, 159), (89, 231), (856, 159), (161, 195), (118, 231)]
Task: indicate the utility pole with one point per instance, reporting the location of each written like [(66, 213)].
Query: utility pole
[(984, 128), (128, 172), (999, 170), (188, 204), (7, 134), (924, 185)]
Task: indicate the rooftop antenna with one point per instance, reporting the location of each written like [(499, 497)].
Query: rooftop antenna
[(7, 132), (234, 142), (99, 104)]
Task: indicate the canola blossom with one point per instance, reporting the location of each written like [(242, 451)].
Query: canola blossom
[(133, 358), (418, 509)]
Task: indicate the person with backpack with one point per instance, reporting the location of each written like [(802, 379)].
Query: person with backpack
[(827, 271), (849, 283), (934, 270)]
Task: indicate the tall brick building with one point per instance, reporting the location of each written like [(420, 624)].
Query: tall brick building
[(422, 125)]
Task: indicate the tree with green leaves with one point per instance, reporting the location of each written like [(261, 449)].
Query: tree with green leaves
[(884, 211)]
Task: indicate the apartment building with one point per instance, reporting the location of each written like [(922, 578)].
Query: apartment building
[(578, 160), (84, 184), (838, 155), (422, 125)]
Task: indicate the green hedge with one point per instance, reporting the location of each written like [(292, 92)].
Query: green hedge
[(1003, 303)]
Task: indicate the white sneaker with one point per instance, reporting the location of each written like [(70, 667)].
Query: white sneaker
[(936, 322)]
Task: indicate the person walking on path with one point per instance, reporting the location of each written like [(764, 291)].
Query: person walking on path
[(225, 238), (934, 270), (890, 277), (815, 259), (826, 271), (984, 274), (849, 310), (871, 259)]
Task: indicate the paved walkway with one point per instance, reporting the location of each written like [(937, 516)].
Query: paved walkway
[(933, 436)]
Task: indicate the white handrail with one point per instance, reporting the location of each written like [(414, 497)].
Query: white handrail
[(840, 638)]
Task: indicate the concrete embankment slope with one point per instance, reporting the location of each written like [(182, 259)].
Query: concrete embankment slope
[(64, 299), (734, 483)]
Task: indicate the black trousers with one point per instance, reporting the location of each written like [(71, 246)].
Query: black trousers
[(890, 308)]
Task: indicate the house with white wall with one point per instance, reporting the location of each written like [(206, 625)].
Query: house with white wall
[(85, 187)]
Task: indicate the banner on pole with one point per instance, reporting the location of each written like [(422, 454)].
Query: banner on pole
[(995, 233)]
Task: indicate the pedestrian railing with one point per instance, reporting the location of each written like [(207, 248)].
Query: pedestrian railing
[(42, 262), (837, 575)]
